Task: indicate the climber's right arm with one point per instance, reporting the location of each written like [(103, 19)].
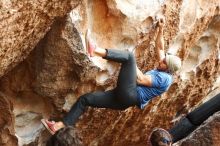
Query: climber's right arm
[(159, 45)]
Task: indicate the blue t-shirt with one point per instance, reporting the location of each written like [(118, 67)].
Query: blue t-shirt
[(161, 81)]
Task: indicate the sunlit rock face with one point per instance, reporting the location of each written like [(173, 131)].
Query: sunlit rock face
[(56, 69), (23, 24), (185, 31), (41, 82)]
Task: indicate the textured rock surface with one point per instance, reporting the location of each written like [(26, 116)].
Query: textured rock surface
[(133, 125), (205, 135), (46, 77), (29, 107), (23, 24), (58, 71), (7, 136)]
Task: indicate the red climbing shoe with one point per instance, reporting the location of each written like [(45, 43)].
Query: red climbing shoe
[(49, 125), (90, 46)]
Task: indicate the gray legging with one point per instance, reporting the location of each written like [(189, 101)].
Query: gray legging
[(120, 98), (195, 118)]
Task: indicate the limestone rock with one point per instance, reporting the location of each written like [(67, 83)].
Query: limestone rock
[(23, 24), (7, 119), (55, 70)]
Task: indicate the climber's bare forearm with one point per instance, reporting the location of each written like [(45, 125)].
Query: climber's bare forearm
[(159, 43), (142, 79)]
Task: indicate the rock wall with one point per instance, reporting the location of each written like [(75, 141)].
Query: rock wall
[(56, 69), (23, 24), (7, 121)]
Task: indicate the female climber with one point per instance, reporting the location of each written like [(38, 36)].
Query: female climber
[(133, 87)]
